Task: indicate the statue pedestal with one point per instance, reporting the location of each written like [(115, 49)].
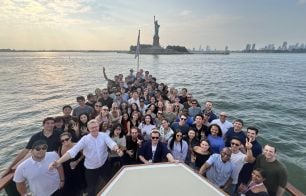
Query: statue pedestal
[(156, 41)]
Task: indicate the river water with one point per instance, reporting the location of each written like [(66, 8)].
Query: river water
[(265, 90)]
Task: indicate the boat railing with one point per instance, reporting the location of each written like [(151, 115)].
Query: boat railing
[(6, 180)]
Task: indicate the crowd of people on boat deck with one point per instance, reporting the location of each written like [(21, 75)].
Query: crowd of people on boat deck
[(135, 120)]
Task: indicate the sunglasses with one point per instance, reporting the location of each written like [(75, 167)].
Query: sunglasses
[(63, 140), (235, 144), (183, 118), (154, 138), (41, 148)]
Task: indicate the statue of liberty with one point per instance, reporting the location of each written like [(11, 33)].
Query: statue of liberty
[(156, 26), (156, 36)]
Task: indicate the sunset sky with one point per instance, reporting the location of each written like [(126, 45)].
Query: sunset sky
[(114, 24)]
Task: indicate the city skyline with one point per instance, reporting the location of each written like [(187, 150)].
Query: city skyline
[(113, 25)]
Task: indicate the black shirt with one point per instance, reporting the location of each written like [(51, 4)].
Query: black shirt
[(53, 141)]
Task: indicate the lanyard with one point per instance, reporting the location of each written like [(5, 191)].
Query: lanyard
[(253, 186)]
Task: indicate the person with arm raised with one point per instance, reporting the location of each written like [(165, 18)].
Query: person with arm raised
[(95, 149)]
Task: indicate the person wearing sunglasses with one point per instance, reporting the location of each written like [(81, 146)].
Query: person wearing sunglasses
[(239, 159), (181, 125), (178, 147), (218, 168), (154, 151), (34, 170), (48, 134), (73, 169), (105, 98), (95, 147)]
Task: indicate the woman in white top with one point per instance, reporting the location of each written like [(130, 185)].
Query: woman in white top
[(178, 147), (165, 131), (117, 135), (146, 127)]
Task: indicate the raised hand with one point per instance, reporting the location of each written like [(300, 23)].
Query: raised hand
[(75, 126), (248, 143)]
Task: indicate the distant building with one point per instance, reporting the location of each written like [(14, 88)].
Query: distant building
[(248, 47), (284, 46), (253, 47)]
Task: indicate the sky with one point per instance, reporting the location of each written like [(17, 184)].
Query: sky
[(114, 24)]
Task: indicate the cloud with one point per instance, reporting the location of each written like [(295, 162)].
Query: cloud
[(43, 12), (185, 12)]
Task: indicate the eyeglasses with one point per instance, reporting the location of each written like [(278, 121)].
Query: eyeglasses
[(41, 148), (183, 118), (98, 106), (235, 144), (154, 138), (65, 140), (225, 154)]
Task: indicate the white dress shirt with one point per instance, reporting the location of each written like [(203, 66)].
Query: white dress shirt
[(94, 149)]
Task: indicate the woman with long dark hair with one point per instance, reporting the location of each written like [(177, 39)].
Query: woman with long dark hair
[(80, 127), (178, 147), (146, 127), (73, 169), (133, 122), (201, 153), (215, 138), (256, 187), (117, 135)]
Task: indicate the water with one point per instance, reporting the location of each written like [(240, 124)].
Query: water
[(265, 90)]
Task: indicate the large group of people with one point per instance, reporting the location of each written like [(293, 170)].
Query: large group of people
[(135, 120)]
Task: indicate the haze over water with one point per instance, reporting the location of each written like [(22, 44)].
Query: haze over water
[(265, 90)]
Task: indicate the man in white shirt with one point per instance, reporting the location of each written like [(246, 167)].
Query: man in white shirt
[(223, 123), (134, 98), (94, 146), (239, 159), (34, 170)]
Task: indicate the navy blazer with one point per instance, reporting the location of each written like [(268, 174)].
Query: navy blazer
[(160, 153)]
